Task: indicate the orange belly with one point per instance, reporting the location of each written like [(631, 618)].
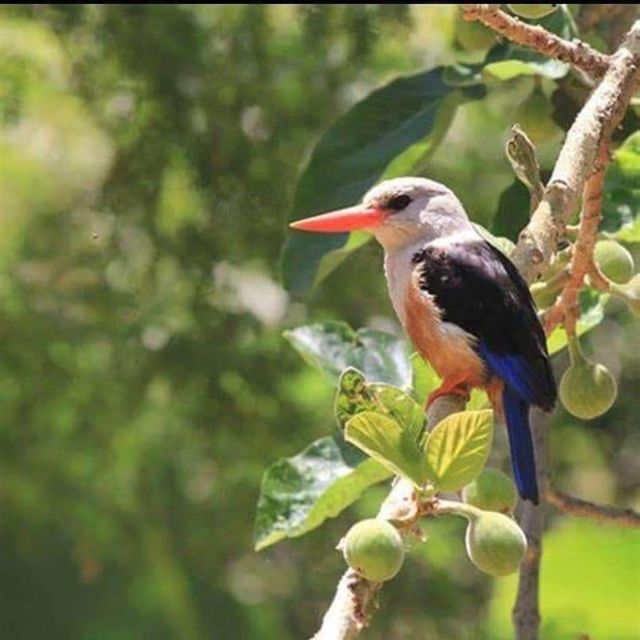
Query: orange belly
[(446, 346)]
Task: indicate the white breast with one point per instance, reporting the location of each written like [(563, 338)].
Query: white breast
[(398, 269)]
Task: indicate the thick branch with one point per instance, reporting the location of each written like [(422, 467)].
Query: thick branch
[(584, 509), (526, 610), (576, 53)]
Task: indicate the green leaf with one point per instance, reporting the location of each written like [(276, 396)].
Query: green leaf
[(355, 395), (621, 199), (536, 66), (629, 233), (457, 448), (425, 379), (513, 211), (334, 346), (299, 493), (386, 441), (592, 305), (353, 155)]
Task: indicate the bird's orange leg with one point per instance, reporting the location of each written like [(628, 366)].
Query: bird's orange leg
[(455, 386)]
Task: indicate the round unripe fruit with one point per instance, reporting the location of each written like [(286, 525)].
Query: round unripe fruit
[(374, 549), (495, 543), (587, 389), (472, 36), (614, 261), (492, 490), (532, 11), (534, 116)]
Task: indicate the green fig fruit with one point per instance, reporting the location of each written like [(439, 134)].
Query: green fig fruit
[(534, 117), (629, 293), (532, 11), (492, 490), (374, 549), (495, 543), (472, 36), (587, 389), (614, 261)]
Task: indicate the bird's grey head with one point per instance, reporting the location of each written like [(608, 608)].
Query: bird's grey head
[(417, 209)]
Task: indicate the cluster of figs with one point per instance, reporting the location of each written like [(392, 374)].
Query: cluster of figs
[(494, 542), (588, 389)]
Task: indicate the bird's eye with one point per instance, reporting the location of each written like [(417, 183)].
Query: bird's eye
[(400, 202)]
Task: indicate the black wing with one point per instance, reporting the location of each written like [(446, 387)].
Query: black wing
[(479, 289)]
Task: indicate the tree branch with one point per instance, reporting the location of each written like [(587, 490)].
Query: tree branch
[(600, 513), (566, 308), (576, 53), (526, 611)]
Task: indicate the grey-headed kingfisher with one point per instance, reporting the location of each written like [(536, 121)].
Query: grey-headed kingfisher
[(462, 302)]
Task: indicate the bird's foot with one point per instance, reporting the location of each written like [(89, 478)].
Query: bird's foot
[(456, 388)]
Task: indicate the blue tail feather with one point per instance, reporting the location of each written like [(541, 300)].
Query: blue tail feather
[(516, 412)]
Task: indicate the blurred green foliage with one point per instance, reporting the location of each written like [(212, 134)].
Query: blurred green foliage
[(147, 161)]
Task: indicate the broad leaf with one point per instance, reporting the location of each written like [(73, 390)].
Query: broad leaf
[(457, 448), (334, 346), (356, 395), (355, 153), (386, 441), (513, 211), (425, 379), (298, 494)]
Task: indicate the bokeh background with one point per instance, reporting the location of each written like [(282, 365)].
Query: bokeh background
[(148, 156)]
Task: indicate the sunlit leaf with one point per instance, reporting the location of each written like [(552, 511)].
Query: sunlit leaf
[(335, 346), (355, 153), (299, 493), (457, 448), (386, 441), (510, 69), (424, 380), (629, 233), (356, 395), (591, 315)]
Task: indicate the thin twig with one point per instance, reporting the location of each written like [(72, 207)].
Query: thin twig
[(566, 308), (605, 514), (576, 53)]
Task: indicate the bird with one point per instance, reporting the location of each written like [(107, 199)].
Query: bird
[(462, 302)]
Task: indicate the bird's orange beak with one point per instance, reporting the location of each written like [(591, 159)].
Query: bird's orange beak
[(349, 219)]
